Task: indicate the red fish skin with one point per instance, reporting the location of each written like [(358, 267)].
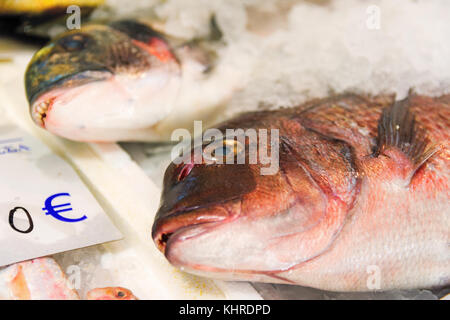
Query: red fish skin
[(388, 218), (376, 215), (412, 221)]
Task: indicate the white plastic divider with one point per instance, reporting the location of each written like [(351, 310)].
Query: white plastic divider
[(127, 195)]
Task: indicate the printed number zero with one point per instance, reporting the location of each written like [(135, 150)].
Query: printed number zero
[(11, 220)]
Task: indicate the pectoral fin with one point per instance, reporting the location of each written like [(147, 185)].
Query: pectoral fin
[(402, 139)]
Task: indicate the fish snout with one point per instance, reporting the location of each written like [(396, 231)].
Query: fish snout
[(175, 222), (198, 197), (42, 97)]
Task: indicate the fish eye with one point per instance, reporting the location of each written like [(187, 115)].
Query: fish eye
[(227, 148), (74, 42), (120, 294), (222, 151)]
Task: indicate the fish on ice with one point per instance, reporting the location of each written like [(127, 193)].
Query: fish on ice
[(125, 81), (360, 201)]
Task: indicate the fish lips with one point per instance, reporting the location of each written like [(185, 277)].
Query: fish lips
[(44, 96), (182, 224)]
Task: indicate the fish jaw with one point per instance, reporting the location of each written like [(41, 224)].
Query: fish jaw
[(113, 108), (214, 249), (239, 247), (244, 248), (177, 223)]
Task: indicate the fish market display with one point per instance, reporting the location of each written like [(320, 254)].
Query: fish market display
[(360, 201), (123, 81)]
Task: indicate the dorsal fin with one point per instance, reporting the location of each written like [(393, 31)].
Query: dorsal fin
[(398, 129), (136, 30)]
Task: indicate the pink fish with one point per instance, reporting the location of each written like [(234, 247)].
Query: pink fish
[(360, 201), (37, 279)]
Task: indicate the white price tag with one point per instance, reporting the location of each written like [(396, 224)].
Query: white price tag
[(44, 206)]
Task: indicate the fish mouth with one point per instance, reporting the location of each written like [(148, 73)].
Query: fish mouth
[(183, 224), (42, 101), (39, 111)]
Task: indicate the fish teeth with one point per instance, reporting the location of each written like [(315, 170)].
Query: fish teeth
[(40, 112)]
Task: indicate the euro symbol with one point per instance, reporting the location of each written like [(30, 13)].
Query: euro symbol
[(50, 208)]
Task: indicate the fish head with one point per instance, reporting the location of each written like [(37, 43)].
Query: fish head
[(110, 293), (95, 83), (230, 221)]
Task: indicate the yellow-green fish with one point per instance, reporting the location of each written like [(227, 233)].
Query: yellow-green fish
[(123, 81)]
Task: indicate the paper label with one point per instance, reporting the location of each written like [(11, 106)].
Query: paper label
[(44, 206)]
